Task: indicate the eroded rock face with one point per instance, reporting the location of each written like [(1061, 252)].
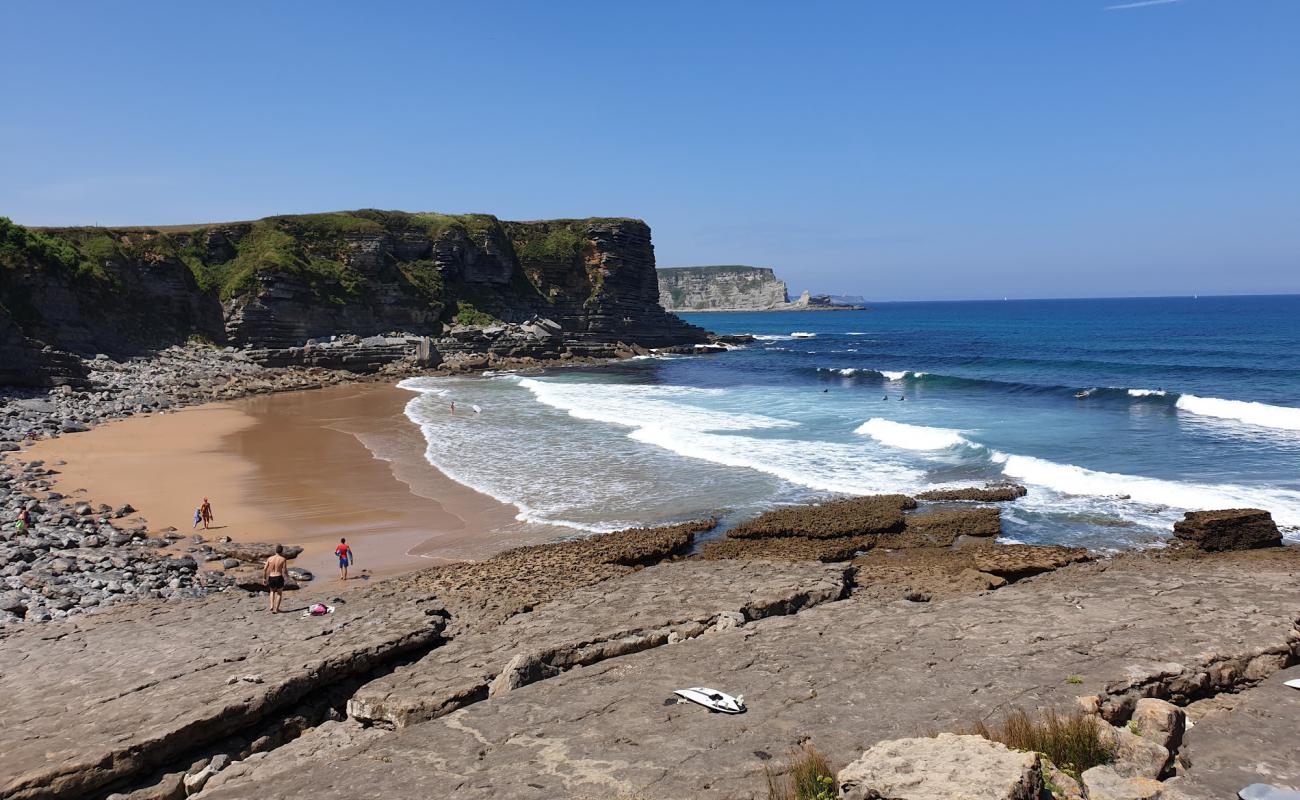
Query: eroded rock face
[(989, 493), (1228, 529), (730, 288), (857, 516), (945, 767)]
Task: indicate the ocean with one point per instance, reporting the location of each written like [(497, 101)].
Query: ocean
[(1117, 414)]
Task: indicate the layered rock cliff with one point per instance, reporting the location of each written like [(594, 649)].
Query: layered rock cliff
[(721, 288), (280, 281)]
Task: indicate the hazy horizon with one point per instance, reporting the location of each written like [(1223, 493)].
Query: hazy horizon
[(903, 152)]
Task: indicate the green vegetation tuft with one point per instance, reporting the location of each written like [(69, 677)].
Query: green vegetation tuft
[(466, 314), (1071, 741), (810, 777)]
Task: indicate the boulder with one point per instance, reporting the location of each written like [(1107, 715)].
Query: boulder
[(1228, 529), (1104, 783), (945, 767), (1159, 721), (1135, 756), (1015, 561), (253, 551)]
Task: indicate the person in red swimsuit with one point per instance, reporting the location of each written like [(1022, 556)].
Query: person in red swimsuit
[(345, 558)]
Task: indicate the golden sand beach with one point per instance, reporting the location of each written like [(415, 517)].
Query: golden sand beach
[(301, 468)]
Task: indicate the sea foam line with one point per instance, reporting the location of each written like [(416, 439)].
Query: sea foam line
[(711, 435), (1073, 480), (1252, 413), (912, 437)]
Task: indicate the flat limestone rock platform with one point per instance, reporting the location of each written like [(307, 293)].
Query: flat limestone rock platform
[(844, 674), (1256, 741), (113, 694), (646, 609)]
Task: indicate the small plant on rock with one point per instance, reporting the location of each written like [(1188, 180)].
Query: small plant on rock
[(810, 777), (1071, 741)]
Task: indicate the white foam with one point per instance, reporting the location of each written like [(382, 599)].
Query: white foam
[(1261, 414), (893, 375), (664, 417), (911, 437), (1146, 392), (767, 337), (1069, 479), (803, 335)]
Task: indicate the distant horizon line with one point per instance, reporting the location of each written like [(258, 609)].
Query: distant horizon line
[(869, 301)]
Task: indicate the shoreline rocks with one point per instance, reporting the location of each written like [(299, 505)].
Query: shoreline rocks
[(1228, 529)]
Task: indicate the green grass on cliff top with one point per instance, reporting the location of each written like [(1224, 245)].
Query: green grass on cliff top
[(313, 245)]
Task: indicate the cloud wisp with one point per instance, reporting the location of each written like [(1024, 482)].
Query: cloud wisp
[(1140, 4)]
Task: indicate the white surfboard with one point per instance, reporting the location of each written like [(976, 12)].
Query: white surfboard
[(477, 410), (1294, 683), (1263, 791), (713, 699)]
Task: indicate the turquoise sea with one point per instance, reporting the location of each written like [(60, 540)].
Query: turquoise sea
[(1118, 415)]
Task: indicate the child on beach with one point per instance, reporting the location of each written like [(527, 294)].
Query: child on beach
[(198, 516), (24, 521), (345, 558)]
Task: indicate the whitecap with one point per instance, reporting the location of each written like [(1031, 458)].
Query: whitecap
[(1146, 392), (1069, 479), (803, 335), (911, 437), (1251, 413)]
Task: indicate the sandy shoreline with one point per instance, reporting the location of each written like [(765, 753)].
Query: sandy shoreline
[(297, 467)]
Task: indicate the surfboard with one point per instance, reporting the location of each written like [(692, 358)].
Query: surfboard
[(1263, 791), (713, 699), (1294, 683), (477, 410)]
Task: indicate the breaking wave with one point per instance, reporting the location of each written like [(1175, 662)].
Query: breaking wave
[(1251, 413), (911, 437)]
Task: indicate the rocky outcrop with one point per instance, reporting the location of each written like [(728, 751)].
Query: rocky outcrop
[(943, 767), (274, 284), (727, 288), (1228, 529), (989, 493), (857, 516)]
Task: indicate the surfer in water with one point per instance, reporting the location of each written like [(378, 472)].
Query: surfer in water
[(453, 406), (277, 567)]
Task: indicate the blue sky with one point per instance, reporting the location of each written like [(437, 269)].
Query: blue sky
[(900, 150)]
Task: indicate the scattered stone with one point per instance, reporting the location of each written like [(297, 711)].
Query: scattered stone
[(1104, 783)]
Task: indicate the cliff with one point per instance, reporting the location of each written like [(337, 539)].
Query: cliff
[(721, 288), (280, 281)]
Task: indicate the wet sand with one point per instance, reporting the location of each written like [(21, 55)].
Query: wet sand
[(300, 468)]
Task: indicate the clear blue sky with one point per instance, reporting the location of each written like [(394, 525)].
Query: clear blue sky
[(900, 150)]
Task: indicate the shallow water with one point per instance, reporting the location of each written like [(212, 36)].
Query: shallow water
[(1117, 414)]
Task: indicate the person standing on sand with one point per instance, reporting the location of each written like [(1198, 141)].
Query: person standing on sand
[(277, 567), (205, 511), (345, 558)]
